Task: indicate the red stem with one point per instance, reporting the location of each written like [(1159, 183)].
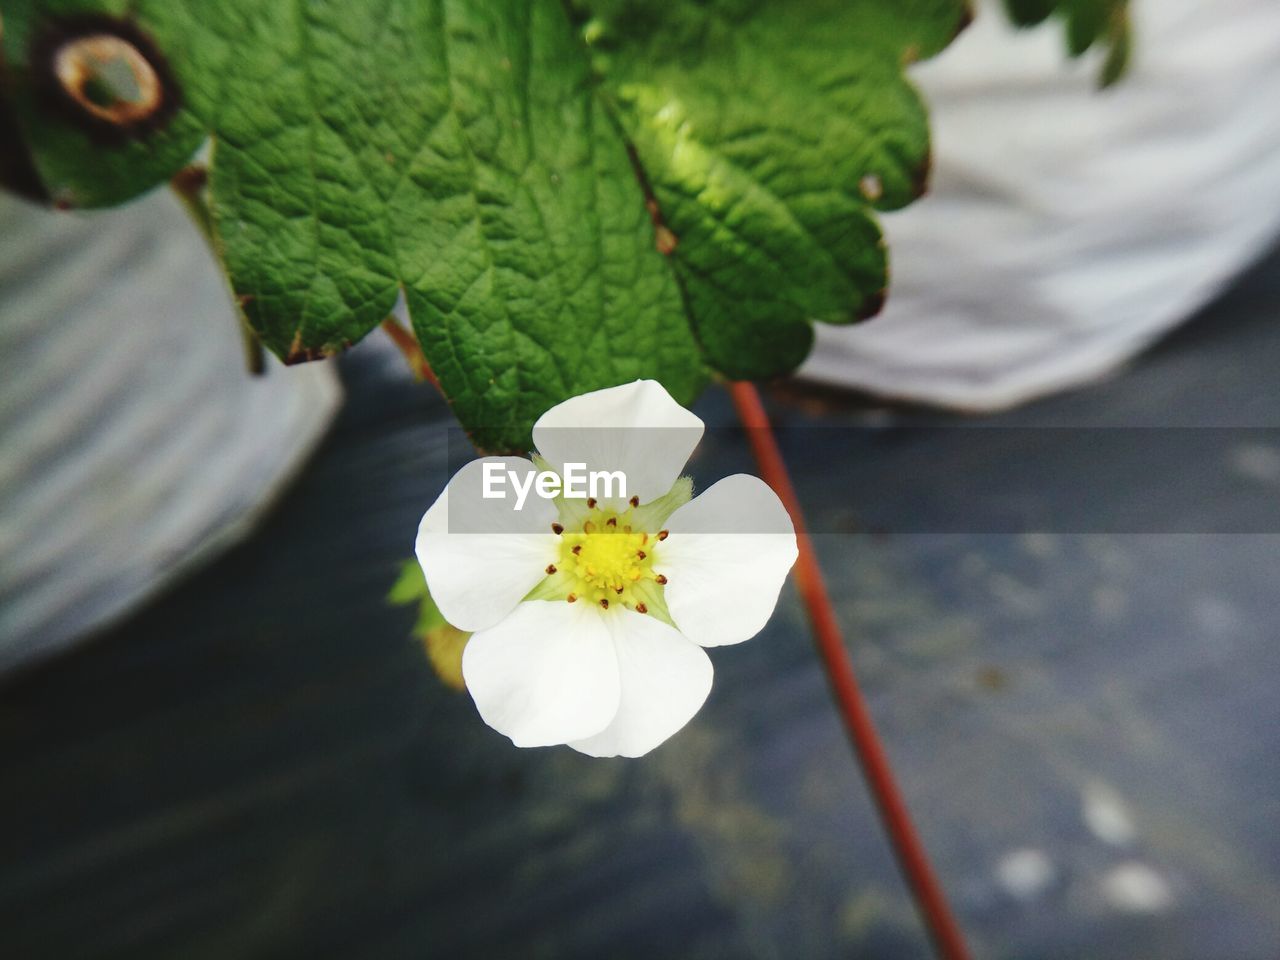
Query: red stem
[(411, 349), (947, 938)]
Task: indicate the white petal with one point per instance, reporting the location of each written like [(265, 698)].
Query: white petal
[(547, 674), (726, 558), (636, 428), (665, 680), (482, 556)]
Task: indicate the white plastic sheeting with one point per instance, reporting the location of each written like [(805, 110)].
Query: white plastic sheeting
[(1066, 228), (134, 442)]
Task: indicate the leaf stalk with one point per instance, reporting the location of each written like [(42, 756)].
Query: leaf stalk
[(913, 860)]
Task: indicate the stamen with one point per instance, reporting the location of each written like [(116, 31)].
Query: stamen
[(557, 529), (641, 608), (591, 503), (662, 535), (603, 561), (635, 501)]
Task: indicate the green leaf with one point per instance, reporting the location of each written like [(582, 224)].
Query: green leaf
[(410, 585), (65, 157), (767, 133), (451, 150), (1029, 13), (1120, 51), (442, 641), (641, 189), (1087, 22), (409, 589)]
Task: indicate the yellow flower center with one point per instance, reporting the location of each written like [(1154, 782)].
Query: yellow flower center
[(606, 562), (607, 555)]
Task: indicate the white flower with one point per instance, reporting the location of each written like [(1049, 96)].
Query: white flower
[(590, 618)]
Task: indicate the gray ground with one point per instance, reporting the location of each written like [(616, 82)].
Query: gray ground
[(1075, 664)]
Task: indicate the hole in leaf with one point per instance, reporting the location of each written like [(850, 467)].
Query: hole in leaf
[(109, 77), (104, 75)]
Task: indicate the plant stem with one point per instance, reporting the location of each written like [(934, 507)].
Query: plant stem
[(411, 349), (948, 940)]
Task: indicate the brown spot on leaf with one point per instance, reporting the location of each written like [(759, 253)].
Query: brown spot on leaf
[(298, 353), (305, 355), (871, 187), (871, 305), (664, 240), (189, 181), (920, 175), (104, 76)]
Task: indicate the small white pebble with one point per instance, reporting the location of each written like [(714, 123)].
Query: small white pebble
[(1259, 462), (1025, 873), (1106, 815), (1040, 545), (1215, 617), (1135, 887)]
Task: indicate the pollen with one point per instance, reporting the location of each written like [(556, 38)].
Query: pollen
[(604, 561), (608, 559)]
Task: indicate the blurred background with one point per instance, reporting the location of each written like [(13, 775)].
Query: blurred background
[(218, 738)]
